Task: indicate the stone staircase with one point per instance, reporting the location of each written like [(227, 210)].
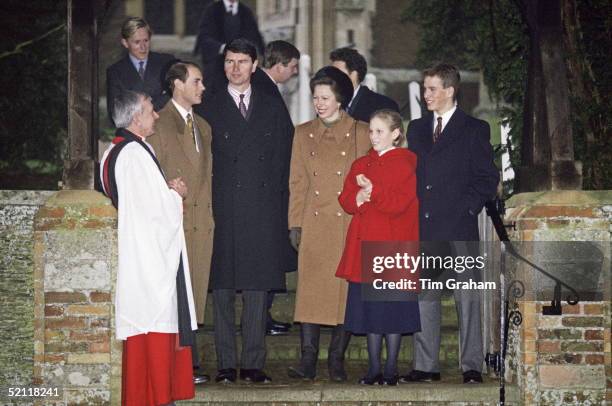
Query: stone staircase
[(284, 351)]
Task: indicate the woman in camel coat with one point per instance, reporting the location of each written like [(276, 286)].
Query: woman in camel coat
[(323, 150)]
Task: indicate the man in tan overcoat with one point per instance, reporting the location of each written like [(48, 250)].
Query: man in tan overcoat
[(182, 143)]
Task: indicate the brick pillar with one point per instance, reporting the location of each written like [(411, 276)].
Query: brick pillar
[(563, 359), (75, 257)]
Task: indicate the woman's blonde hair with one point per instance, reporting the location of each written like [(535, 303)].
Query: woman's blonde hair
[(394, 121)]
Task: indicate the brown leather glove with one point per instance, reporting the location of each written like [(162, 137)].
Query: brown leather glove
[(295, 237)]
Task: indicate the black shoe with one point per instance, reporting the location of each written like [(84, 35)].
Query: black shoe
[(420, 376), (254, 376), (277, 325), (306, 370), (226, 376), (273, 331), (472, 376), (392, 381), (200, 378), (371, 380)]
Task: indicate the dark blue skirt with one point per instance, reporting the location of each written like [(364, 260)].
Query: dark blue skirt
[(399, 316)]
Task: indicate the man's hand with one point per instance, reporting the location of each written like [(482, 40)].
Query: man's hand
[(179, 186)]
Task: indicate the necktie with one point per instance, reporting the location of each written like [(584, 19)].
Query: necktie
[(438, 130), (141, 69), (242, 106), (191, 130)]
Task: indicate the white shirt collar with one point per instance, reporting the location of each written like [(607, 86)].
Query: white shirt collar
[(354, 94), (234, 6), (270, 76), (445, 117), (182, 111)]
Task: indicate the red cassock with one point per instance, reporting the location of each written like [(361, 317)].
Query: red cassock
[(392, 214), (156, 370)]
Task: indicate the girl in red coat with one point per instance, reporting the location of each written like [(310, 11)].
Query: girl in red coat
[(380, 193)]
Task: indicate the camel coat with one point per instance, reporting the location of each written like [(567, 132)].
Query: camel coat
[(320, 160), (177, 155)]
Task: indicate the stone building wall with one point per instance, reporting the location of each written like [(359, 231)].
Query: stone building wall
[(17, 210), (564, 359)]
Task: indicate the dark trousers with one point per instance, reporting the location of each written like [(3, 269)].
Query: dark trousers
[(253, 322)]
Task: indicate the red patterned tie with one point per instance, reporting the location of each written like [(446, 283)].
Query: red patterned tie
[(438, 130)]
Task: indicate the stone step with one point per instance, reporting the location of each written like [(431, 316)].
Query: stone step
[(287, 347), (321, 392)]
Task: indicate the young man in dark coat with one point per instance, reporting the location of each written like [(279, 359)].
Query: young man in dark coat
[(456, 175), (140, 70), (280, 64), (222, 22), (364, 101), (251, 147)]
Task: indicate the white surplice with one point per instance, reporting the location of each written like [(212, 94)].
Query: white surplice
[(151, 241)]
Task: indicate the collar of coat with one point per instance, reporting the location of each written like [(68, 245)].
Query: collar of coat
[(346, 128)]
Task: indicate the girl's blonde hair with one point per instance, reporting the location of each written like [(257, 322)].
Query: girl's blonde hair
[(393, 120)]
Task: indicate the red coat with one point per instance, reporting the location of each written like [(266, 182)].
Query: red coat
[(392, 214)]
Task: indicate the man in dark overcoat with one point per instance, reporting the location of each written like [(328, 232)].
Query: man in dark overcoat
[(140, 69), (456, 175), (280, 64), (364, 101), (251, 147), (222, 22)]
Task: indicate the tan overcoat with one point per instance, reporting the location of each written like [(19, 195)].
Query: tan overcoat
[(176, 152), (320, 160)]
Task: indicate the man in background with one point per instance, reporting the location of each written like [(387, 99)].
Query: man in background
[(140, 69), (280, 64), (364, 101), (222, 22)]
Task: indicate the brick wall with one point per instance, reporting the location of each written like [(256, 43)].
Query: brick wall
[(74, 255), (563, 359)]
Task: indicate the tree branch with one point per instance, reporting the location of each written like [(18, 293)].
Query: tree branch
[(18, 49)]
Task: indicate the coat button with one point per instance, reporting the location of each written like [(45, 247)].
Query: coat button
[(314, 173), (310, 135), (316, 213), (338, 214), (238, 184), (339, 173), (261, 157), (348, 135), (428, 187), (426, 215), (343, 153), (338, 193), (317, 193), (264, 184), (312, 153)]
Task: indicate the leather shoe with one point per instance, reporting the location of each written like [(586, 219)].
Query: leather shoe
[(420, 376), (371, 380), (254, 376), (392, 381), (472, 376), (200, 378), (276, 328), (227, 375)]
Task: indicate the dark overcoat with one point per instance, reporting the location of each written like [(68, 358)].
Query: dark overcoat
[(250, 181), (367, 102), (261, 80), (123, 75), (455, 176)]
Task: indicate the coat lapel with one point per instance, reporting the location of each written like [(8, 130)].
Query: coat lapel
[(184, 140), (451, 133)]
